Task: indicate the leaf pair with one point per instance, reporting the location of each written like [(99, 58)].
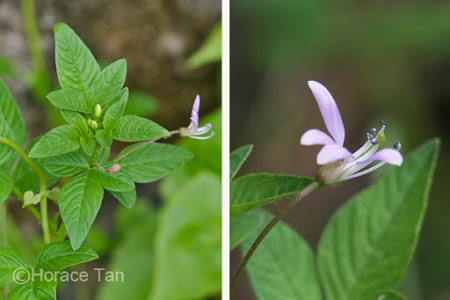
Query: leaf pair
[(53, 257), (364, 250)]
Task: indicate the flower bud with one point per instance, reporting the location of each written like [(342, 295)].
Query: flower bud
[(97, 111), (89, 122), (94, 125), (114, 169)]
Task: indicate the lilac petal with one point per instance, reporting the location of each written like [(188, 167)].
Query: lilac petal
[(331, 153), (195, 109), (329, 111), (315, 137), (390, 156)]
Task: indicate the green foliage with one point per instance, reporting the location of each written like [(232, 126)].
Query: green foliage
[(12, 115), (119, 182), (153, 161), (134, 128), (368, 244), (60, 255), (75, 64), (113, 114), (62, 139), (188, 242), (37, 290), (108, 83), (93, 102), (79, 202), (69, 99), (76, 119), (283, 266), (6, 67), (128, 198), (254, 190), (6, 184), (243, 226), (210, 51), (26, 179), (10, 261), (237, 159), (67, 164)]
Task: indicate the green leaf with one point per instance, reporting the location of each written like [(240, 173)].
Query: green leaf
[(26, 179), (134, 128), (133, 253), (188, 242), (60, 255), (75, 119), (283, 266), (69, 99), (6, 184), (368, 244), (141, 104), (59, 140), (243, 226), (6, 152), (108, 84), (67, 164), (120, 96), (119, 182), (12, 115), (153, 161), (88, 143), (113, 114), (6, 67), (103, 155), (9, 262), (210, 51), (75, 64), (237, 158), (128, 198), (79, 202), (254, 190), (34, 290), (104, 138)]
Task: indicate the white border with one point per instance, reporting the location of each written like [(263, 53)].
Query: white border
[(225, 149)]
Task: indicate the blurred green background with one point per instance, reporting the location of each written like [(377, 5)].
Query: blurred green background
[(169, 244), (380, 60)]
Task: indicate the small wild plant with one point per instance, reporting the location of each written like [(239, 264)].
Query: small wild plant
[(367, 246), (92, 101)]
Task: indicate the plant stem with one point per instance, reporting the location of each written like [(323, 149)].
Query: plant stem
[(171, 133), (283, 211), (43, 186), (31, 208)]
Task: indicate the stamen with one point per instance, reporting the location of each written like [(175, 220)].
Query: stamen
[(374, 141), (366, 171), (397, 145), (383, 122), (373, 131)]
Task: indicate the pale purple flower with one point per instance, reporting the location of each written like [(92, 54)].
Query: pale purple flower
[(340, 164), (193, 131)]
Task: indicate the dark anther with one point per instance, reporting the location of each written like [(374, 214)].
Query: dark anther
[(397, 145), (383, 122), (373, 131), (374, 142)]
